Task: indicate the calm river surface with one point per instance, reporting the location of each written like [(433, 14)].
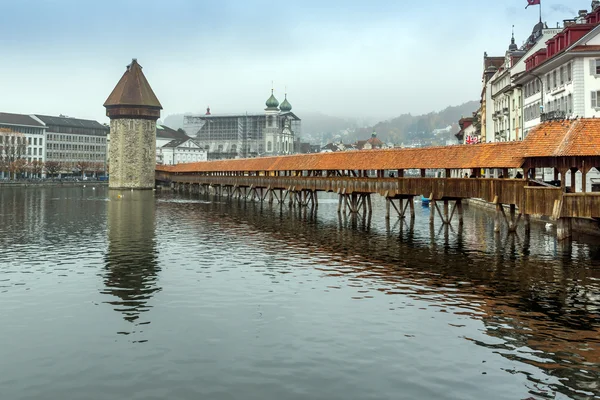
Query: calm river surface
[(162, 296)]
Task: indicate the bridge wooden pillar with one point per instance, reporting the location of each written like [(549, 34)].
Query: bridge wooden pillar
[(564, 228), (499, 210), (432, 206), (573, 178)]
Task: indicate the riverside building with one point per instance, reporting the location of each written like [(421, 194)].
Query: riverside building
[(272, 132), (73, 141), (23, 128)]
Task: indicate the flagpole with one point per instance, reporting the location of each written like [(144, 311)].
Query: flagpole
[(540, 10)]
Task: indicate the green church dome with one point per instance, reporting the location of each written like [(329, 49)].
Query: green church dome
[(272, 101), (285, 105)]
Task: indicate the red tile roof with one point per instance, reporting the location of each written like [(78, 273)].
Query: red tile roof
[(563, 138), (489, 155), (577, 137)]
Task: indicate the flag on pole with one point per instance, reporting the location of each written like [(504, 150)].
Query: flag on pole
[(533, 3)]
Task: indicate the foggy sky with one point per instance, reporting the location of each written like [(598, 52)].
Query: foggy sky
[(344, 58)]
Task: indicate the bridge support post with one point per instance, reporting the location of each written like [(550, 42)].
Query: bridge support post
[(527, 222), (459, 208), (387, 208), (340, 199), (316, 199), (499, 210), (411, 202), (445, 219), (563, 228), (271, 196), (432, 206), (512, 226)]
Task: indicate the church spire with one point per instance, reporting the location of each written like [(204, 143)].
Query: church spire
[(513, 46)]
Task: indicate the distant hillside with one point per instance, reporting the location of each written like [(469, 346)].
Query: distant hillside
[(321, 128), (174, 121), (407, 127)]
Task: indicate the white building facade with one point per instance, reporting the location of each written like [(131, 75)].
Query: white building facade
[(22, 144), (272, 132), (77, 144), (181, 151)]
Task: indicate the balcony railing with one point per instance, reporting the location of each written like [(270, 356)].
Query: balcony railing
[(553, 115)]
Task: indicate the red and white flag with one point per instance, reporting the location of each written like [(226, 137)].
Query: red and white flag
[(533, 3), (471, 139)]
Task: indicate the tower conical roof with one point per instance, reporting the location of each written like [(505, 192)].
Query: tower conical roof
[(272, 101), (133, 90), (285, 105)]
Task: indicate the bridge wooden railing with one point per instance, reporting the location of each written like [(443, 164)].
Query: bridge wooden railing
[(532, 200), (506, 191), (540, 200), (581, 205)]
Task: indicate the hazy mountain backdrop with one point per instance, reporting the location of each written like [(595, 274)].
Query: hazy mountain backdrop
[(321, 128)]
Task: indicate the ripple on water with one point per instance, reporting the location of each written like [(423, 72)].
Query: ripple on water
[(184, 297)]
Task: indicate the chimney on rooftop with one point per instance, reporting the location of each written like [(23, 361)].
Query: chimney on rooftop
[(595, 4), (569, 22)]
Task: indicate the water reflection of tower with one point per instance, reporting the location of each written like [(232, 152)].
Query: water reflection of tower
[(131, 262)]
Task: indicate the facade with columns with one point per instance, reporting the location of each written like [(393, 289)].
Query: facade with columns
[(227, 136)]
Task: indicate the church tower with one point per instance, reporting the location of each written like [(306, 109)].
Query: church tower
[(271, 128), (133, 110)]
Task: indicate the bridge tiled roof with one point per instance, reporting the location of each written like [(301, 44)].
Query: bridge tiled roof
[(563, 138), (489, 155)]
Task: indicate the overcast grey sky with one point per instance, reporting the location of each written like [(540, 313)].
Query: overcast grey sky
[(344, 58)]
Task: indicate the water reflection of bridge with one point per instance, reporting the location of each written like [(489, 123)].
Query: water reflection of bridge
[(534, 304)]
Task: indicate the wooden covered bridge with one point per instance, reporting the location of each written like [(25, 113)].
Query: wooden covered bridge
[(445, 175)]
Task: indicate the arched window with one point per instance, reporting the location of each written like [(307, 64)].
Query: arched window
[(234, 148), (269, 146)]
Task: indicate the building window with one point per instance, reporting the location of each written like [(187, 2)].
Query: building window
[(595, 97), (548, 82), (569, 72), (269, 146), (562, 75), (554, 79), (596, 63), (570, 104)]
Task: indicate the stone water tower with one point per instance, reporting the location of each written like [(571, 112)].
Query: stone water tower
[(133, 110)]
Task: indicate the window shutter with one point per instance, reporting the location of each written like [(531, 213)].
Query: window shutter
[(593, 67), (594, 99)]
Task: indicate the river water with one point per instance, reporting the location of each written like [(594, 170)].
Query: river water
[(156, 295)]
